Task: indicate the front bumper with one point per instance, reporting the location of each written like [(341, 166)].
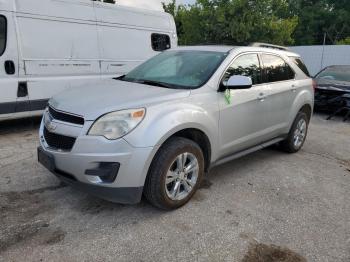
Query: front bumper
[(126, 195), (111, 170), (328, 100)]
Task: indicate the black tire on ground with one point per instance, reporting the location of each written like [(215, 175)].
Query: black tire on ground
[(288, 144), (155, 189)]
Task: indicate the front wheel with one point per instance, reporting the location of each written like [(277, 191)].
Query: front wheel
[(297, 135), (175, 174)]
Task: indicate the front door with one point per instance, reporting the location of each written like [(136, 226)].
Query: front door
[(242, 122), (10, 99)]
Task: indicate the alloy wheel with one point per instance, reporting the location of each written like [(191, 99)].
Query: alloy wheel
[(300, 133), (182, 176)]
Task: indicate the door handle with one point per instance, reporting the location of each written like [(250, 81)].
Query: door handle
[(10, 68), (294, 88)]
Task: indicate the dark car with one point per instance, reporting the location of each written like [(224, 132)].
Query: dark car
[(332, 87)]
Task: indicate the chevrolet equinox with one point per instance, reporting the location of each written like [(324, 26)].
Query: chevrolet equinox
[(157, 130)]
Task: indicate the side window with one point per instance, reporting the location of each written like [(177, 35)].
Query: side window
[(276, 69), (3, 34), (245, 65), (160, 42)]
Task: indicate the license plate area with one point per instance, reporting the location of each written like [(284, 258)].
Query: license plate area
[(46, 159)]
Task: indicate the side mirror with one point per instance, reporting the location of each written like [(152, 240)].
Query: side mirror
[(239, 82)]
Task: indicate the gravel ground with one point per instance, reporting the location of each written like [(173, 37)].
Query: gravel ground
[(268, 206)]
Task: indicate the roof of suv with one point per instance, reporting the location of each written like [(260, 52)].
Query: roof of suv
[(226, 49), (212, 48)]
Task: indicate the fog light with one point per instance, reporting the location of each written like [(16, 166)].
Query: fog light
[(106, 172)]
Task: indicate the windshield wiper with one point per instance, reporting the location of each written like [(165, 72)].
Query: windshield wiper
[(155, 83), (119, 77), (145, 82)]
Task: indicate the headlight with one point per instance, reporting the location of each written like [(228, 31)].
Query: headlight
[(117, 124)]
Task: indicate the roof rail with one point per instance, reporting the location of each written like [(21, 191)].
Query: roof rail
[(265, 45)]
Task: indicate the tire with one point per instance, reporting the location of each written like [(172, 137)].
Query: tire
[(167, 161), (289, 145)]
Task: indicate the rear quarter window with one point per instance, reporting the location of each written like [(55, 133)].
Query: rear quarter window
[(301, 65), (3, 34)]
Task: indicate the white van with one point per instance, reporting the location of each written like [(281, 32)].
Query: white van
[(47, 46)]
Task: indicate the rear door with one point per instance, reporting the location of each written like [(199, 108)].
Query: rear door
[(283, 90), (11, 100)]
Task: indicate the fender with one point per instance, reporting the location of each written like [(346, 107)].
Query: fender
[(163, 121), (304, 97)]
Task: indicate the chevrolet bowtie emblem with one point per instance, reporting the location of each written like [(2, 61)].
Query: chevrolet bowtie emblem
[(51, 126)]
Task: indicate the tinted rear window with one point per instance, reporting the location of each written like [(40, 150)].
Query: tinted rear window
[(301, 65), (276, 69), (3, 34)]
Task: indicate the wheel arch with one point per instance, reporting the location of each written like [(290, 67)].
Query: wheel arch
[(307, 109), (195, 134), (304, 102), (201, 139)]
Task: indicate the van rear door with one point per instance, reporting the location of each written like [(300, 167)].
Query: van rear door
[(12, 100)]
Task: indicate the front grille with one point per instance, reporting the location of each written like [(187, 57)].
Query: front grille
[(58, 141), (65, 117)]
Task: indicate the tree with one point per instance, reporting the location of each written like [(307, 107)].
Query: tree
[(233, 21), (301, 22), (345, 41), (317, 17)]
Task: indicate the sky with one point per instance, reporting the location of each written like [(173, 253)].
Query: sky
[(150, 4)]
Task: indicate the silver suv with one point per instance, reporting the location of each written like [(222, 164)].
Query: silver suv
[(157, 130)]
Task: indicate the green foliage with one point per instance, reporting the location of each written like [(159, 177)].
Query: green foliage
[(318, 17), (345, 41), (283, 22)]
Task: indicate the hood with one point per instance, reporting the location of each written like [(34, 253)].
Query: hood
[(104, 96), (333, 85)]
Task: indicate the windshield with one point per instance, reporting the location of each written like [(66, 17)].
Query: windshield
[(335, 73), (177, 69)]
